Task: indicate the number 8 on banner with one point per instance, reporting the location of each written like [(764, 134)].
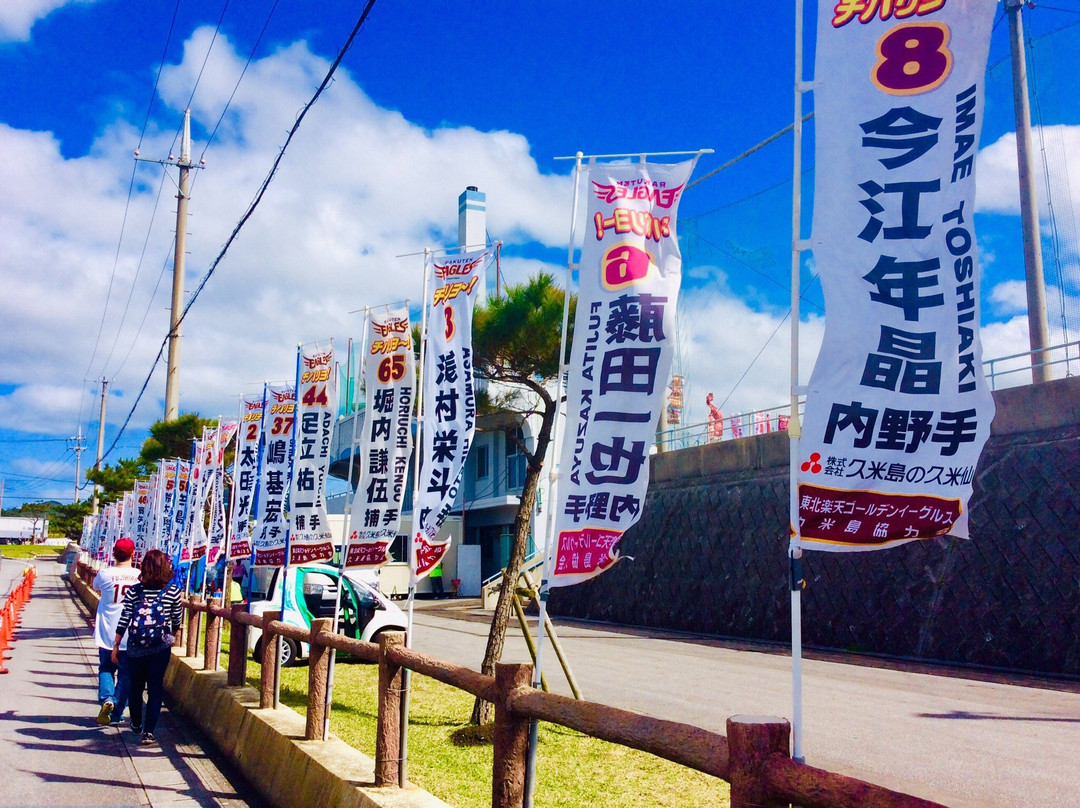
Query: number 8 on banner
[(913, 58)]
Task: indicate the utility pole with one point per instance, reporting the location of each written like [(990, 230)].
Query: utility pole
[(79, 447), (100, 443), (1038, 331), (172, 379)]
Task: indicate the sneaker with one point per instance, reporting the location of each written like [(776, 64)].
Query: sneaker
[(104, 716), (148, 739)]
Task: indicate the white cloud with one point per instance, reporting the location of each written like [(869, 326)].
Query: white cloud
[(1009, 298), (1056, 152), (17, 17)]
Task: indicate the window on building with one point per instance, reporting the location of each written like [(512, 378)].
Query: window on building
[(515, 460), (483, 462)]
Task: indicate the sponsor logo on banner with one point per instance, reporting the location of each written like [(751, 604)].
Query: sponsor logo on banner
[(620, 363), (268, 540), (386, 443), (898, 410), (245, 469), (449, 399), (310, 537)]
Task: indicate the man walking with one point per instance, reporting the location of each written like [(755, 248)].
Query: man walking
[(112, 583)]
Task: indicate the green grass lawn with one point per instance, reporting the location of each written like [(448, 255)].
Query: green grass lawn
[(574, 770), (27, 551)]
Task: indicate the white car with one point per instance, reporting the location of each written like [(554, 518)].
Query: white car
[(312, 592)]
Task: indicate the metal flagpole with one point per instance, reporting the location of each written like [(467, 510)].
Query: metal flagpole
[(349, 496), (553, 476), (405, 673), (288, 523), (795, 426)]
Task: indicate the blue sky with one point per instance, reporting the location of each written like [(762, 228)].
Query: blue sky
[(432, 97)]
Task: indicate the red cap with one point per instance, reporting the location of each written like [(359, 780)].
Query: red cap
[(125, 546)]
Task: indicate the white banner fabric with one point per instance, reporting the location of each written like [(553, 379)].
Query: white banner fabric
[(310, 536), (386, 442), (268, 541), (449, 414), (624, 337), (245, 469), (898, 409)]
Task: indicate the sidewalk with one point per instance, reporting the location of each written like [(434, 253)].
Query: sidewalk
[(53, 753)]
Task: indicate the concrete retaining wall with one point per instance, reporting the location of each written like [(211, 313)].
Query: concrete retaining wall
[(709, 554)]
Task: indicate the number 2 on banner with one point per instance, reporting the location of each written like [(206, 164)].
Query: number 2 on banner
[(913, 58)]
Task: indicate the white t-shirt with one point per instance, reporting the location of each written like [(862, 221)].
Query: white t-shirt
[(112, 583)]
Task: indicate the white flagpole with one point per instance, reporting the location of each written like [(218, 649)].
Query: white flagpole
[(288, 523), (405, 677), (347, 524), (794, 425)]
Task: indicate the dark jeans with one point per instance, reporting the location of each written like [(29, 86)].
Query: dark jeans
[(147, 672)]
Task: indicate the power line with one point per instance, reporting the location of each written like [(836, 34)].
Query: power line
[(247, 214)]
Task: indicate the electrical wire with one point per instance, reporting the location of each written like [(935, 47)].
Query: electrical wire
[(247, 214)]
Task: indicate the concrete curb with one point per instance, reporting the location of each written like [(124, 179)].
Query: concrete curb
[(268, 746)]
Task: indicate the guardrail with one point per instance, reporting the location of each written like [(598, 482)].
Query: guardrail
[(754, 757)]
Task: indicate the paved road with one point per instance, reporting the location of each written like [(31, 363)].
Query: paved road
[(961, 742), (52, 753)]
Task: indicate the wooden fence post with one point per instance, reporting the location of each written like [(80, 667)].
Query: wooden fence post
[(237, 647), (511, 739), (318, 673), (388, 732), (269, 649), (752, 739), (213, 637), (193, 628)]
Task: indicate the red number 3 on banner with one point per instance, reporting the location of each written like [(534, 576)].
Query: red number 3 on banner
[(913, 58), (448, 314)]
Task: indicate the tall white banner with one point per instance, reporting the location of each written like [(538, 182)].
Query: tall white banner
[(897, 411), (449, 419), (142, 518), (310, 537), (268, 539), (386, 443), (624, 337), (181, 509), (245, 469)]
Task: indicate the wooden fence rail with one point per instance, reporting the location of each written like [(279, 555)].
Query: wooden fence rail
[(754, 757)]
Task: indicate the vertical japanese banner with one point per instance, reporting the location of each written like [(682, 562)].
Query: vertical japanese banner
[(157, 504), (268, 540), (127, 528), (310, 537), (245, 469), (200, 470), (386, 443), (624, 338), (142, 518), (216, 539), (181, 510), (449, 418), (168, 502), (898, 410)]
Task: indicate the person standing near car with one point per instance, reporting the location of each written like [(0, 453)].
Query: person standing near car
[(111, 584), (151, 617)]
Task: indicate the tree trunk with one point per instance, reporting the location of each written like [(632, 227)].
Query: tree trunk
[(483, 711)]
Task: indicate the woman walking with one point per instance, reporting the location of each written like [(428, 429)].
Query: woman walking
[(151, 617)]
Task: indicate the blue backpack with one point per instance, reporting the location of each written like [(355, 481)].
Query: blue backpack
[(149, 627)]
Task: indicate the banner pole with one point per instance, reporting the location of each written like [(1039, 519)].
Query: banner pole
[(405, 673), (288, 523), (794, 425), (347, 526), (553, 477)]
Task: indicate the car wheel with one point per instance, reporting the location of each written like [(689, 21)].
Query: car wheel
[(288, 652)]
